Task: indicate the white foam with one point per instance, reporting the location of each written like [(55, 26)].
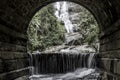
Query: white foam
[(79, 73)]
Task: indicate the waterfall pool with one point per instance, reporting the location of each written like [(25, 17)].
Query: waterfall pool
[(79, 74)]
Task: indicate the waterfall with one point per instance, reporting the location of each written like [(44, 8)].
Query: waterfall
[(31, 63), (62, 62), (63, 15)]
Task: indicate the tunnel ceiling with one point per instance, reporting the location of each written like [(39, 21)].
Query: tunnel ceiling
[(17, 13)]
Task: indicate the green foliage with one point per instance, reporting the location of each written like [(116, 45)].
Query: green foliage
[(89, 29), (44, 30)]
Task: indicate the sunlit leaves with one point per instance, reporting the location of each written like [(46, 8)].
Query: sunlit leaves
[(44, 30)]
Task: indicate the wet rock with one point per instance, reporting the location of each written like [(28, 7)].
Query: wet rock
[(73, 38)]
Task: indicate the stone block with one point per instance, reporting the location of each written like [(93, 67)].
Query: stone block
[(104, 64), (110, 46), (22, 63), (14, 74), (1, 66), (110, 54), (14, 55), (10, 65), (117, 67)]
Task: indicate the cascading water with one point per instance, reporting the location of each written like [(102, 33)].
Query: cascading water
[(80, 64), (62, 62), (63, 15), (91, 61)]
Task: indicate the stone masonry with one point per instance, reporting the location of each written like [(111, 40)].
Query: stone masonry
[(15, 16)]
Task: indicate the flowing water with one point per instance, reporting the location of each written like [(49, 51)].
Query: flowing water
[(63, 66), (79, 74), (63, 15), (45, 63)]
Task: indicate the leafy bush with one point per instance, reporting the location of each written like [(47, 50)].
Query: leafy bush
[(44, 30)]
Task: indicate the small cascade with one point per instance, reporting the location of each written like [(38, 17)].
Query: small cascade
[(91, 61), (31, 64), (45, 63), (36, 63)]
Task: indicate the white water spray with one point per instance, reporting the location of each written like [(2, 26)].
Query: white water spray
[(91, 60), (63, 15)]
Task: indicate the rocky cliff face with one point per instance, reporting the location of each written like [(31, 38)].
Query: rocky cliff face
[(78, 15), (85, 26)]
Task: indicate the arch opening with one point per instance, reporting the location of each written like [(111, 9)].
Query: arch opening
[(68, 29), (68, 20)]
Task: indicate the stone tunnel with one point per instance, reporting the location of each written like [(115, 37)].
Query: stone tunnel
[(15, 16)]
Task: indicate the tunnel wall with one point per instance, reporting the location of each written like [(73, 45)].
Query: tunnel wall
[(14, 60), (15, 16), (110, 51)]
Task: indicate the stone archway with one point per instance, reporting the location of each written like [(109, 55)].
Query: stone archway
[(15, 16)]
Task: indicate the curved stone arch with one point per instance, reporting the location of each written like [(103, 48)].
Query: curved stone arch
[(15, 16), (104, 12), (92, 7)]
